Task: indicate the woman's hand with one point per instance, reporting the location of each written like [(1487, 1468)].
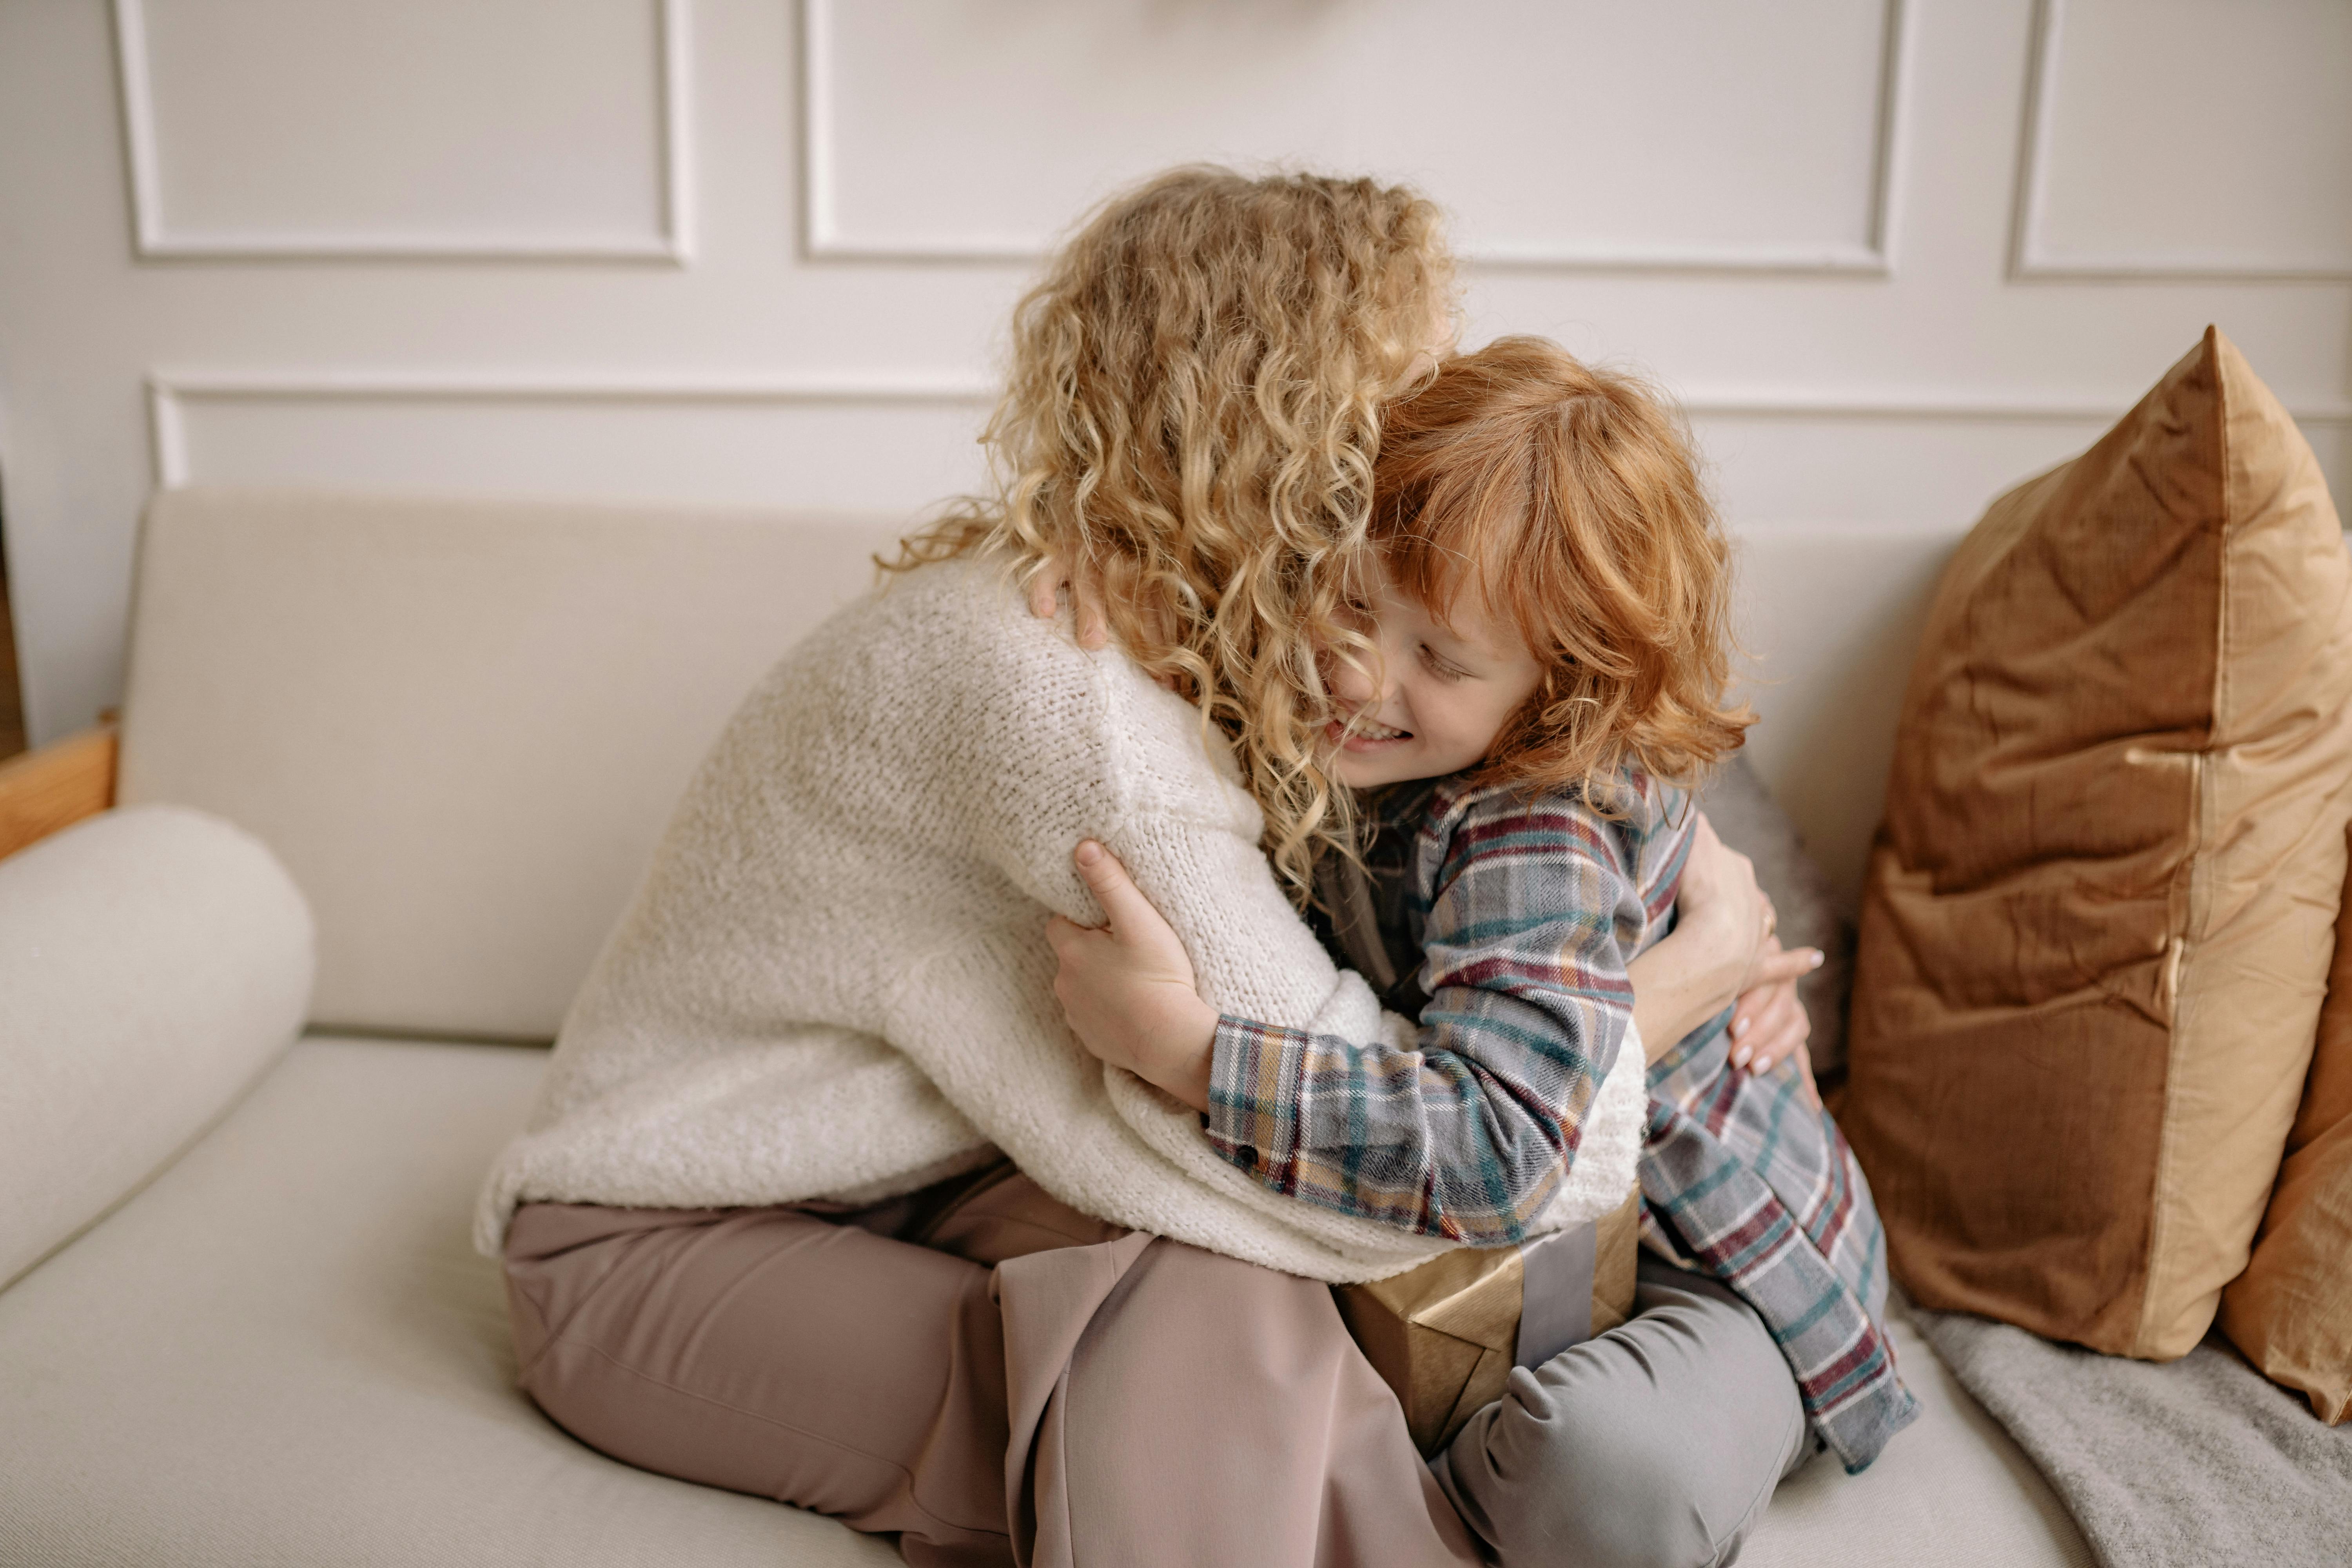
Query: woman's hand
[(1771, 1025), (1126, 988)]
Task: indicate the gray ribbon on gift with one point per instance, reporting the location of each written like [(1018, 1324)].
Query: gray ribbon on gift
[(1556, 1292)]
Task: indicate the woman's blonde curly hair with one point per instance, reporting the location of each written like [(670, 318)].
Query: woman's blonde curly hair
[(1188, 428)]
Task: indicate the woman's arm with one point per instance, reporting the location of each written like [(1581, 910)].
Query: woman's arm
[(1693, 972)]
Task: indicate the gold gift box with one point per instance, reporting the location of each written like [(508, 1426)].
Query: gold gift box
[(1445, 1335)]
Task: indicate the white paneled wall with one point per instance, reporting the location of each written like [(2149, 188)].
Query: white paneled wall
[(1745, 154), (524, 130), (2186, 138), (1894, 254)]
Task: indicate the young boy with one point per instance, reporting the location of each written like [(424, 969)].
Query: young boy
[(1543, 647)]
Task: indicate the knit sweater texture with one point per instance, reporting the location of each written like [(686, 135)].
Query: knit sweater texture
[(834, 981)]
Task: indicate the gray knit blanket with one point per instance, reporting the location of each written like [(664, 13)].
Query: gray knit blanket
[(2182, 1465)]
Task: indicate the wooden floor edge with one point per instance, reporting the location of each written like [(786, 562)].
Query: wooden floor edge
[(44, 791)]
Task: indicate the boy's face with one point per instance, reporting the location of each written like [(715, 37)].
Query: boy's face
[(1437, 693)]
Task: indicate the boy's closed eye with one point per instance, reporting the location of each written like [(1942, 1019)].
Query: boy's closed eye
[(1440, 665)]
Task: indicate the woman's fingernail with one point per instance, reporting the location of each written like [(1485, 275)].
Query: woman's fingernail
[(1740, 1026), (1819, 958), (1739, 1057), (1088, 852)]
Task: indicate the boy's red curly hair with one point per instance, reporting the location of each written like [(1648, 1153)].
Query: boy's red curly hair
[(1570, 499)]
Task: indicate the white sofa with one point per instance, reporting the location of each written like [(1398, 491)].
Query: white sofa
[(459, 727)]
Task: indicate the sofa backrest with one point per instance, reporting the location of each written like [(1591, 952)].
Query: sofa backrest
[(462, 724), (1828, 619)]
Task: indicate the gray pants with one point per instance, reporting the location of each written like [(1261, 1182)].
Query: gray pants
[(1658, 1442)]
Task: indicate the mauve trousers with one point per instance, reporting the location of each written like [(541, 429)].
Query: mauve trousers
[(993, 1377), (980, 1370)]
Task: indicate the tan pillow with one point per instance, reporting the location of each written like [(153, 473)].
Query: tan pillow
[(2099, 915), (2291, 1310)]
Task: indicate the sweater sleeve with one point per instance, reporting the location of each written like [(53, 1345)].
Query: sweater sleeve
[(1252, 953), (1466, 1131), (1116, 758)]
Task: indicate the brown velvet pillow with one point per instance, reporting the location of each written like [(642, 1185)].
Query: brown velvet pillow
[(2100, 910), (2291, 1310)]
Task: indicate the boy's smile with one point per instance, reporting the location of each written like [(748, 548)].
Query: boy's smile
[(1367, 734), (1437, 692)]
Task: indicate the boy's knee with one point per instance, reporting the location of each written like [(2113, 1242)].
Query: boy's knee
[(1655, 1445), (1546, 1490)]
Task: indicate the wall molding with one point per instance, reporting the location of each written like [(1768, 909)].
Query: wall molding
[(821, 239), (2028, 260), (153, 240), (170, 392)]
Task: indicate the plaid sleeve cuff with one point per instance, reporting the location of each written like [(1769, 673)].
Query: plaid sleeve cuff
[(1257, 1076)]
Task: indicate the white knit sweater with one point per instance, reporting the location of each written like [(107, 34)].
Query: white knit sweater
[(834, 980)]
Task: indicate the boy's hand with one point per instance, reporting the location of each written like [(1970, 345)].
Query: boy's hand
[(1046, 588), (1128, 988)]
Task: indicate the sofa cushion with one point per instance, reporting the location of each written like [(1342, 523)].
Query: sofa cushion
[(2098, 924), (285, 1351), (2291, 1310), (154, 963)]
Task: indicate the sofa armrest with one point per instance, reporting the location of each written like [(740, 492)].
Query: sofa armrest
[(154, 962), (55, 787)]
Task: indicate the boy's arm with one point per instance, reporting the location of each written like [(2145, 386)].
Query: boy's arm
[(1453, 1131), (1469, 1134)]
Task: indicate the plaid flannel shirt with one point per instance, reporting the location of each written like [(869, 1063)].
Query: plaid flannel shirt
[(1509, 922)]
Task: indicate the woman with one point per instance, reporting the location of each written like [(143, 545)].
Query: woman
[(861, 874)]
